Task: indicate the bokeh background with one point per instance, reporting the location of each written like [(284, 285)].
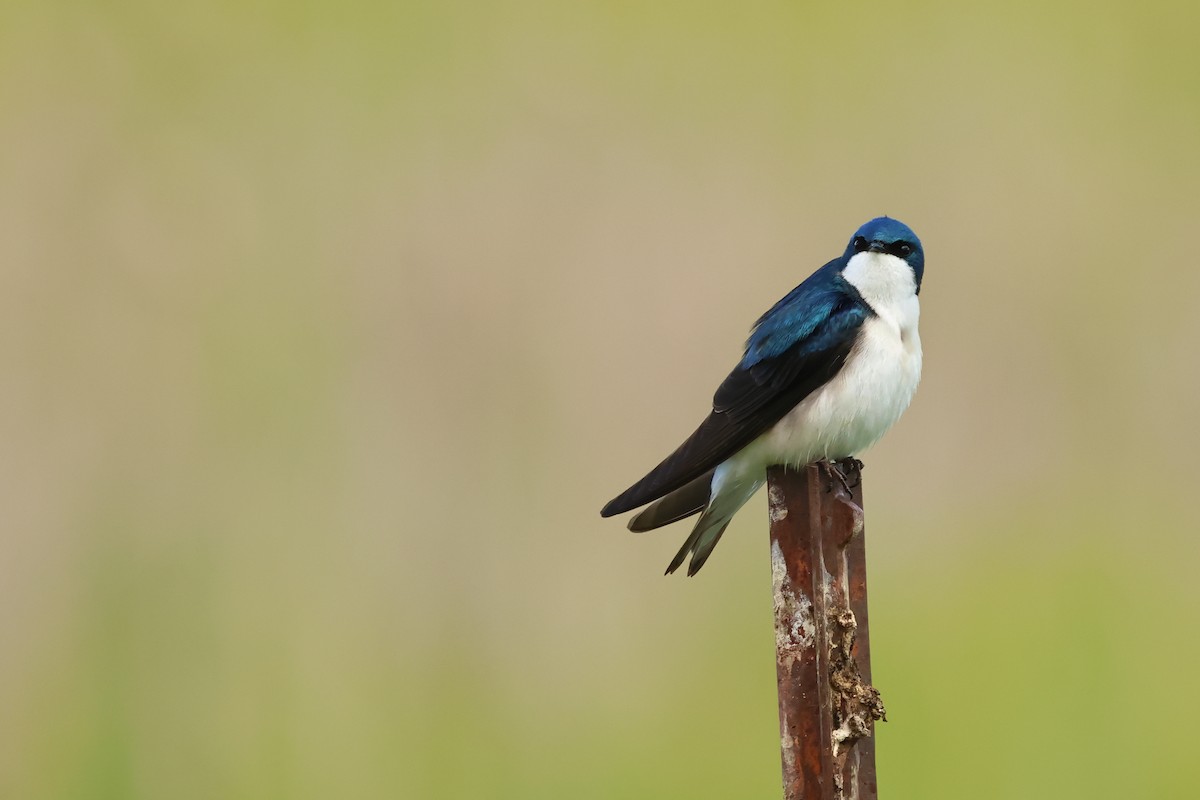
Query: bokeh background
[(327, 328)]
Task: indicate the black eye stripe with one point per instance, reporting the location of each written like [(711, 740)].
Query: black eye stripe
[(901, 248)]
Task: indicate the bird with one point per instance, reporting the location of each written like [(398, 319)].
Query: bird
[(824, 374)]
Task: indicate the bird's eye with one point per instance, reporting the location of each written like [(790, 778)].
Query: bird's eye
[(903, 249), (860, 244)]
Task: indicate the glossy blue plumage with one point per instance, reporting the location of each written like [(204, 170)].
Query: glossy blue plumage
[(817, 308), (816, 314)]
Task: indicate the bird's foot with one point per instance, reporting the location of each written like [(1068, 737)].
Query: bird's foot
[(852, 468), (845, 470)]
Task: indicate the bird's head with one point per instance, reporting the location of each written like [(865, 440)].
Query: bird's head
[(893, 237)]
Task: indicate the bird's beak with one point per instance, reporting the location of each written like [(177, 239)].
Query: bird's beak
[(877, 247)]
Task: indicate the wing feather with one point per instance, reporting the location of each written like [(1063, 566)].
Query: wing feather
[(794, 349)]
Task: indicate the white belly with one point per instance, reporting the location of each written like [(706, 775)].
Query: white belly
[(854, 409), (858, 405)]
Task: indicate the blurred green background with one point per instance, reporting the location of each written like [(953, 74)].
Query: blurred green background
[(327, 328)]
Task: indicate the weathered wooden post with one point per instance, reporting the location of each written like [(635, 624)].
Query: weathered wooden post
[(827, 706)]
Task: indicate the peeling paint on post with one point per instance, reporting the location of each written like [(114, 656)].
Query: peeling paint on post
[(827, 706)]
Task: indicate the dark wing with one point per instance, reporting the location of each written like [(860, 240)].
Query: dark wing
[(795, 348)]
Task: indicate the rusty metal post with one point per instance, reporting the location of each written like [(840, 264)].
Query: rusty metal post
[(827, 706)]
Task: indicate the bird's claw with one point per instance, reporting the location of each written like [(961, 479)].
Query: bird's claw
[(843, 470)]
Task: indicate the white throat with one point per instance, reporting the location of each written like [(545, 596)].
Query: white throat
[(883, 280)]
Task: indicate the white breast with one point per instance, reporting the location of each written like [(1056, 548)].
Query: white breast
[(852, 411)]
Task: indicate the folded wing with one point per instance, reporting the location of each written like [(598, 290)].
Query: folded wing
[(795, 348)]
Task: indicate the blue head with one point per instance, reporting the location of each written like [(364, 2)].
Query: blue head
[(891, 236)]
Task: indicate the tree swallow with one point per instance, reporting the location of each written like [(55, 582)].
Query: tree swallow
[(826, 371)]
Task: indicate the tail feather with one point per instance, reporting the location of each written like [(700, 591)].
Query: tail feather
[(727, 500), (703, 539), (683, 502)]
